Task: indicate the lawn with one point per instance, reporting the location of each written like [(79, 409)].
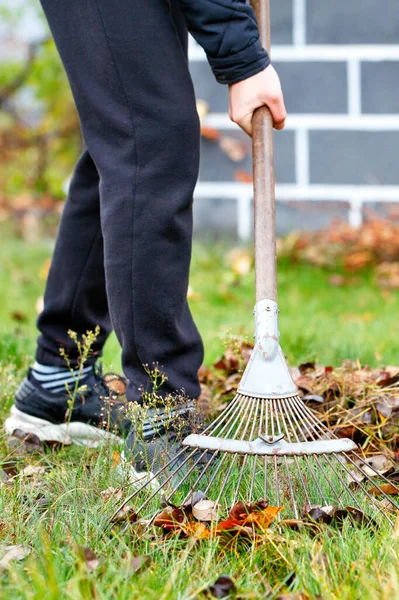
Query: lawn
[(58, 508)]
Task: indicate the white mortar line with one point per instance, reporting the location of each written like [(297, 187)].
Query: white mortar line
[(296, 193), (298, 23), (354, 87), (244, 225), (362, 122), (319, 52), (302, 157)]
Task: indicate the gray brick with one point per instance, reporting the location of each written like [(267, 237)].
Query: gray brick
[(218, 217), (281, 21), (385, 210), (307, 216), (299, 81), (380, 87), (215, 216), (354, 157), (207, 88), (314, 87), (216, 166), (353, 22)]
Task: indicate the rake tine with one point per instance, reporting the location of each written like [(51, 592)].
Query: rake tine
[(306, 457), (169, 478), (295, 457), (251, 435), (364, 490), (394, 504), (144, 485)]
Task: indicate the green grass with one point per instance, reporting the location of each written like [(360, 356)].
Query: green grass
[(316, 321)]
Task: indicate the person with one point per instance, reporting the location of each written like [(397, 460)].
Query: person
[(122, 255)]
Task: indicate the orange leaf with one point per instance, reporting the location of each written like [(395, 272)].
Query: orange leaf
[(228, 524), (210, 133), (264, 518), (386, 488), (243, 176), (196, 530)]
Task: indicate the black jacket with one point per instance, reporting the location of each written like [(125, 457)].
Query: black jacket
[(228, 32)]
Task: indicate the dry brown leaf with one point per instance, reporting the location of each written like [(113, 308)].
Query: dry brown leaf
[(384, 488), (126, 514), (222, 588), (89, 557), (139, 563), (115, 493)]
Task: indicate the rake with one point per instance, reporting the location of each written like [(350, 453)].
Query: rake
[(267, 443)]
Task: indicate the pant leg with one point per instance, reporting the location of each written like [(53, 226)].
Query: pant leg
[(75, 296), (128, 72)]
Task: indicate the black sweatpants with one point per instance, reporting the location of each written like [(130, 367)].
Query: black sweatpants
[(123, 250)]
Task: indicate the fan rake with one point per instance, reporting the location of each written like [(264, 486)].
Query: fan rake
[(267, 443)]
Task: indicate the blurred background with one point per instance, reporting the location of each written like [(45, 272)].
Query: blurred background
[(336, 170)]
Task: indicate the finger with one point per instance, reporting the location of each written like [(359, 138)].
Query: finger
[(278, 111), (279, 126)]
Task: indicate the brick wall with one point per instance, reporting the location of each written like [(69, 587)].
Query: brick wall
[(339, 155)]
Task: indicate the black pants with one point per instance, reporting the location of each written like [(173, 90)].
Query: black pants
[(123, 250)]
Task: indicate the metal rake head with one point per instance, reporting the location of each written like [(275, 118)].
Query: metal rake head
[(275, 449), (267, 444)]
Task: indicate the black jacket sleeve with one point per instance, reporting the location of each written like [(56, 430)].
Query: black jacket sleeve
[(228, 32)]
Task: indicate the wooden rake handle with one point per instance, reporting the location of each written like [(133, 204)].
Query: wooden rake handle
[(263, 171)]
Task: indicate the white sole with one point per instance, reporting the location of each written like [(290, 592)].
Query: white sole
[(77, 433), (74, 432)]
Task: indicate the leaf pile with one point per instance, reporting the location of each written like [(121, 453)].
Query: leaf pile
[(199, 519), (354, 401), (374, 244)]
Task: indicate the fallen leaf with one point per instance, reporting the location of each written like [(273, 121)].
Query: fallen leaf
[(222, 588), (115, 493), (126, 514), (243, 176), (306, 367), (318, 515), (10, 468), (116, 459), (240, 260), (32, 470), (30, 441), (198, 531), (377, 464), (13, 553), (384, 488), (18, 316), (205, 510), (170, 518), (139, 563), (235, 149), (210, 133), (89, 557), (313, 398)]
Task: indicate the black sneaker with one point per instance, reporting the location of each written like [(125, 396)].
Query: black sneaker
[(98, 414)]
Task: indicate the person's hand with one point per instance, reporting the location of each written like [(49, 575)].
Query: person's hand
[(260, 89)]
